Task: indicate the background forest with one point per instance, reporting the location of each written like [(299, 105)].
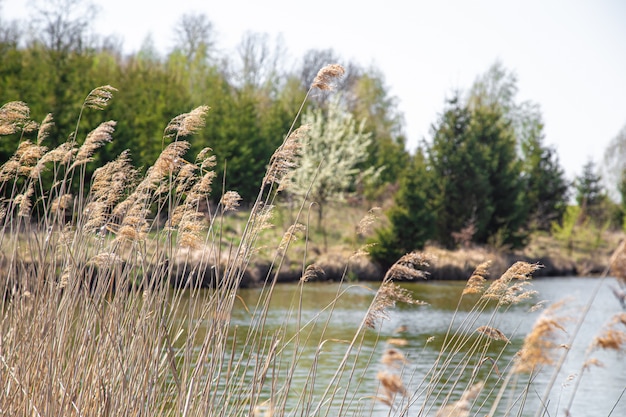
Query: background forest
[(484, 177)]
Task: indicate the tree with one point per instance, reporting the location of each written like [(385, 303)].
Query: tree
[(258, 60), (334, 147), (195, 35), (411, 218), (476, 176), (369, 99), (590, 194), (63, 25), (546, 189), (615, 162)]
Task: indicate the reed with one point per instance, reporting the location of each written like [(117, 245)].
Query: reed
[(95, 284)]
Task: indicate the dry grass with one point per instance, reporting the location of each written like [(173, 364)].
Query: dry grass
[(93, 286)]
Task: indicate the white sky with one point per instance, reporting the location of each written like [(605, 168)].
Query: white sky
[(569, 55)]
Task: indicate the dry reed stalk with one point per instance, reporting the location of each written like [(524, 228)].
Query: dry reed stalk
[(476, 282), (407, 267), (285, 158), (462, 407), (393, 358), (493, 333), (387, 296), (392, 385), (99, 97), (618, 263), (540, 344)]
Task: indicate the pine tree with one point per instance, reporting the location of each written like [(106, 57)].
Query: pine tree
[(411, 217)]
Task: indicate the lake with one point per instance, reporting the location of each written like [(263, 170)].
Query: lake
[(417, 333)]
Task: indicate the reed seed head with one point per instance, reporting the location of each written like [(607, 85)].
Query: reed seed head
[(408, 267), (540, 344), (284, 160), (230, 200), (476, 282), (387, 296), (391, 384), (393, 358), (326, 76), (366, 223), (95, 139), (493, 333), (311, 272), (13, 117), (99, 97)]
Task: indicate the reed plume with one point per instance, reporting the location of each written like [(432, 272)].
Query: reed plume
[(493, 333), (99, 97), (392, 385), (14, 116), (387, 296), (461, 408), (476, 282), (95, 139), (325, 77), (285, 158), (393, 358), (542, 341), (187, 123), (408, 267)]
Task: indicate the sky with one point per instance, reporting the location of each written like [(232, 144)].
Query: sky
[(569, 55)]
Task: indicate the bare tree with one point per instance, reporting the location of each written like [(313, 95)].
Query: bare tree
[(615, 163), (195, 33), (63, 25), (258, 59)]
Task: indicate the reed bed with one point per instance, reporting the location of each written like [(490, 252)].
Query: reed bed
[(93, 280)]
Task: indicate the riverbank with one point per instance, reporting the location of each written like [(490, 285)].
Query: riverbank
[(343, 261)]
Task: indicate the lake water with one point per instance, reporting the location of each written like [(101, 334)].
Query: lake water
[(323, 343)]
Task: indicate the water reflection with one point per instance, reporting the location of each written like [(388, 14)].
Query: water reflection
[(329, 326)]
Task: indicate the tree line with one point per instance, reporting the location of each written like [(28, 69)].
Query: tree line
[(484, 176)]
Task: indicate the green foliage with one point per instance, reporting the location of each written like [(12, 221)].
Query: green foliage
[(589, 189), (546, 187), (411, 217), (476, 176)]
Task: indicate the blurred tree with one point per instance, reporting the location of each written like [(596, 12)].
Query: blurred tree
[(411, 218), (62, 26), (546, 189), (476, 176), (590, 193), (334, 148), (195, 37), (615, 162), (369, 99)]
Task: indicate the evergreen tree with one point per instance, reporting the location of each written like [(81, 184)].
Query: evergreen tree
[(546, 189), (590, 194), (411, 219), (476, 176)]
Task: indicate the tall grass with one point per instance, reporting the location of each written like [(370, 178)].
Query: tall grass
[(94, 277)]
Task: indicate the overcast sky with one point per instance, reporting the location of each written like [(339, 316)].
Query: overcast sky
[(569, 55)]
